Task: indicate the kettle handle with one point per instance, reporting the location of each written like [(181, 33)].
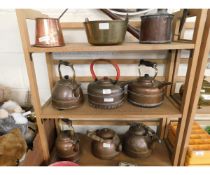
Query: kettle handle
[(65, 63), (148, 64), (69, 123), (93, 136), (109, 61)]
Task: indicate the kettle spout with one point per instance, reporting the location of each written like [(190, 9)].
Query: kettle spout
[(164, 84)]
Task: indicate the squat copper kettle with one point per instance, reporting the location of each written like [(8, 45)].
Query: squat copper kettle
[(146, 91), (67, 93), (105, 93), (139, 141), (106, 143)]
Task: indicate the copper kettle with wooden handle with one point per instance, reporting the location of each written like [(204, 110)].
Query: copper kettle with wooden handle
[(106, 143), (145, 91), (67, 93)]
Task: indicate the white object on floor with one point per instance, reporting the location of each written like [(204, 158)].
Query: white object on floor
[(11, 107), (3, 114), (19, 118)]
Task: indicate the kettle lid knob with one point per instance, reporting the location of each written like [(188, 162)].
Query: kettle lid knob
[(66, 77), (146, 76)]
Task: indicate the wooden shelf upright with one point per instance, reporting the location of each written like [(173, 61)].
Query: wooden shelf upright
[(126, 113)]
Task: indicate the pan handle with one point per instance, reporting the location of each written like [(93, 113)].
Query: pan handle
[(109, 61), (65, 63)]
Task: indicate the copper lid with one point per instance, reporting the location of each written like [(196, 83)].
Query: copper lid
[(105, 133)]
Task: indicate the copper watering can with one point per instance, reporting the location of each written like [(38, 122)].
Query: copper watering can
[(49, 32)]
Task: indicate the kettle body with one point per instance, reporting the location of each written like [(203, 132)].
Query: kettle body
[(105, 93), (106, 143), (67, 93), (139, 141)]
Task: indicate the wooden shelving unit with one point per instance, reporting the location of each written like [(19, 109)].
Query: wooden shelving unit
[(127, 112), (204, 111)]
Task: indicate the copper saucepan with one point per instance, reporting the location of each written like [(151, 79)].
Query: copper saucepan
[(48, 32)]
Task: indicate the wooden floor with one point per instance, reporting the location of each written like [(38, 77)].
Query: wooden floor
[(124, 113), (160, 156)]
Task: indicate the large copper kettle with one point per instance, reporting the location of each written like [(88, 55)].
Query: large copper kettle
[(139, 141), (146, 91), (67, 142), (67, 93), (105, 93), (106, 143)]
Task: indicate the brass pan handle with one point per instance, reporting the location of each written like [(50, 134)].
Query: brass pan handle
[(148, 64), (65, 63)]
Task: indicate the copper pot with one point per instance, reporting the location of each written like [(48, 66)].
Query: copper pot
[(139, 141), (49, 32), (105, 93), (67, 93), (106, 143), (67, 144), (156, 28), (146, 91)]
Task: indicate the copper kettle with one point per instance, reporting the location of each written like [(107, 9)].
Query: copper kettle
[(105, 93), (146, 91), (139, 141), (49, 32), (67, 142), (67, 93), (106, 143)]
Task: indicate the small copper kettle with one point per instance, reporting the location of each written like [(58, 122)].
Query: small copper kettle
[(106, 143), (67, 93), (139, 141), (146, 91), (67, 142)]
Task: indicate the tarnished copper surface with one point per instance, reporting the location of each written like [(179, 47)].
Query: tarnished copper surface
[(48, 33)]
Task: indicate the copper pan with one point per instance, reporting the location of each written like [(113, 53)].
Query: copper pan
[(49, 32)]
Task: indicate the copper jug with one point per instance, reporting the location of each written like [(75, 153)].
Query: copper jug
[(146, 91), (67, 93), (106, 143), (105, 93), (67, 143), (156, 28), (49, 32), (139, 141)]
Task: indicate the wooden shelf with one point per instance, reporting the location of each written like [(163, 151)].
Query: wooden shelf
[(159, 157), (125, 47), (202, 111), (126, 112)]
